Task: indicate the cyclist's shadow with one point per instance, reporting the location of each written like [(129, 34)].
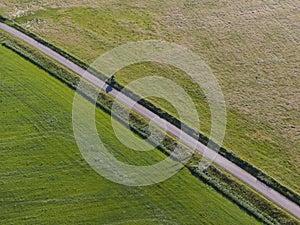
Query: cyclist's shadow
[(108, 89)]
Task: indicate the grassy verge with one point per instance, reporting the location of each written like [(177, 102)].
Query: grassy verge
[(232, 189), (258, 173)]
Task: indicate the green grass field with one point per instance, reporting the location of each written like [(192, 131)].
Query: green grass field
[(44, 179), (251, 47)]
